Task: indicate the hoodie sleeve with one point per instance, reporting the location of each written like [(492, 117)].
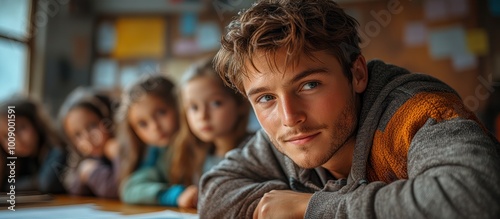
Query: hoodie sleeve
[(453, 172), (233, 188)]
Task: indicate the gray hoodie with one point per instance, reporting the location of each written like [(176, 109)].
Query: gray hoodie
[(452, 165)]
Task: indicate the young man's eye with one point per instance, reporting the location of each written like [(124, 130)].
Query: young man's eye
[(265, 98), (310, 85)]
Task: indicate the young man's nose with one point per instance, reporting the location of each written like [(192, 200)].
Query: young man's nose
[(290, 111)]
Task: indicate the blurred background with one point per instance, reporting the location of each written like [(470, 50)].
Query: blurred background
[(49, 47)]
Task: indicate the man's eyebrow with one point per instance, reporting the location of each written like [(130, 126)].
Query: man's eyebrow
[(297, 77), (256, 90), (308, 72)]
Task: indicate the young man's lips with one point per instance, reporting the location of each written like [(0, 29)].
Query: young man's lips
[(301, 139)]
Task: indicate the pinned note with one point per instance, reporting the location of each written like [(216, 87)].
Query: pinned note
[(140, 37), (477, 41), (443, 9), (128, 75), (415, 34), (458, 8), (464, 61), (445, 42), (104, 73), (106, 37), (436, 10), (186, 47), (208, 36), (189, 21)]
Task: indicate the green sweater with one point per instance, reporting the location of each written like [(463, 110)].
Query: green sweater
[(148, 184)]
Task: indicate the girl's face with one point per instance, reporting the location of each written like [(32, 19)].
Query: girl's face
[(25, 137), (211, 112), (153, 120), (86, 131)]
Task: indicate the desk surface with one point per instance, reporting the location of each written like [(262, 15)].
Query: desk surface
[(104, 204)]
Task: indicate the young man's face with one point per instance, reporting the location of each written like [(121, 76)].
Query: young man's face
[(308, 110)]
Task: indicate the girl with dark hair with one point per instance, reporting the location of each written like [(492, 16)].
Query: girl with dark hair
[(27, 134), (86, 119)]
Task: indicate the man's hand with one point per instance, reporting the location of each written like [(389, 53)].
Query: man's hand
[(282, 204)]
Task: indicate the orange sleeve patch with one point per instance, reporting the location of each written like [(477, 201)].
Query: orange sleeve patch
[(388, 158)]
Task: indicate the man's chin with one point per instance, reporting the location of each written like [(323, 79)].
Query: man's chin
[(305, 163)]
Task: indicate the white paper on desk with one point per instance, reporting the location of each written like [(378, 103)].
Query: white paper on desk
[(83, 211), (167, 214)]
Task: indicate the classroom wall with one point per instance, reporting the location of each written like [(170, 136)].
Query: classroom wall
[(71, 35), (416, 35)]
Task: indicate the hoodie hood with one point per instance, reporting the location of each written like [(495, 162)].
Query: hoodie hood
[(383, 80)]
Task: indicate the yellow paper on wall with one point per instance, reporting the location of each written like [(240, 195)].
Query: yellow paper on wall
[(140, 37), (477, 41)]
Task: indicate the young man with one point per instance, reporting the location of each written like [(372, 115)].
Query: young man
[(343, 138)]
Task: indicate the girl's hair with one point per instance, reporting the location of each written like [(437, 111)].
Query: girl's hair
[(296, 26), (36, 114), (187, 144), (30, 109), (131, 146), (98, 102)]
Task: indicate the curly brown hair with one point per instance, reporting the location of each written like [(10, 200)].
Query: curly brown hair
[(296, 26)]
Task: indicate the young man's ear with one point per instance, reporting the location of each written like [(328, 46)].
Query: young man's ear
[(359, 74)]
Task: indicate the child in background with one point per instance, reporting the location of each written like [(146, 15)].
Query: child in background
[(148, 122), (86, 120), (39, 150), (214, 121)]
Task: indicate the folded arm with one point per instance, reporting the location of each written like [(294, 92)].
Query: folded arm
[(453, 170), (234, 187)]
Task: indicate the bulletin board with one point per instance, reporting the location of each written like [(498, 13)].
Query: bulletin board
[(442, 38)]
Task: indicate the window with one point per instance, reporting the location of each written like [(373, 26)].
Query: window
[(15, 41)]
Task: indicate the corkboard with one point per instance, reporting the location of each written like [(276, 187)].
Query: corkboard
[(387, 43)]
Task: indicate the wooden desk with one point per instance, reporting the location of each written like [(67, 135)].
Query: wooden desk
[(104, 204)]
